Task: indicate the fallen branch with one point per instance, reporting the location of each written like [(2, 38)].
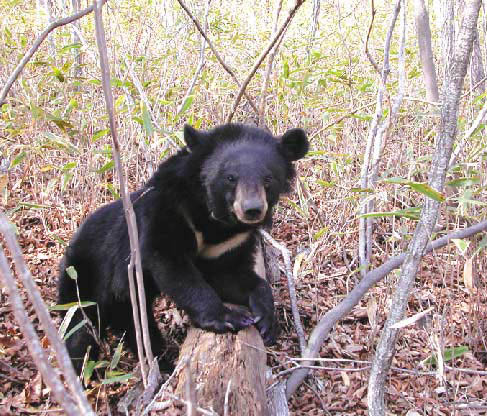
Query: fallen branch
[(323, 328), (61, 22)]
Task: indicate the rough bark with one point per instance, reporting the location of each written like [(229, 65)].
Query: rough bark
[(217, 360), (477, 72), (425, 52), (452, 88)]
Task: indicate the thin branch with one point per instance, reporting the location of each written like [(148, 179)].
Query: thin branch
[(61, 22), (292, 289), (369, 31), (128, 208), (338, 120), (268, 70), (35, 349), (473, 128), (326, 324), (262, 56), (201, 63), (375, 138), (217, 55)]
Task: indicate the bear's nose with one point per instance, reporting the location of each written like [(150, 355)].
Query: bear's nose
[(253, 209)]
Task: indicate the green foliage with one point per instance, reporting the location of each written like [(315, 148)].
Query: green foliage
[(448, 355)]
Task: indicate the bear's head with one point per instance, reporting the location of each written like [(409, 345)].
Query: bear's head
[(244, 169)]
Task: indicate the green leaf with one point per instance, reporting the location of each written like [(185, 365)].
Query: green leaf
[(461, 182), (67, 319), (325, 184), (72, 273), (398, 181), (320, 233), (117, 378), (411, 213), (285, 69), (462, 245), (67, 176), (75, 328), (448, 354), (69, 166), (33, 206), (106, 166), (186, 105), (116, 356), (88, 371), (146, 121), (68, 48), (120, 101), (18, 159), (90, 366), (99, 134), (427, 190), (66, 306), (57, 73)]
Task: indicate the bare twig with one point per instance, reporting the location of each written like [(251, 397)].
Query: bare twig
[(268, 70), (314, 26), (201, 63), (339, 119), (262, 56), (325, 325), (473, 128), (446, 135), (375, 140), (80, 404), (217, 55), (286, 255), (369, 31), (61, 22), (128, 208)]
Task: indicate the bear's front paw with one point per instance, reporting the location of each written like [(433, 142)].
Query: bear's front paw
[(265, 320), (228, 320)]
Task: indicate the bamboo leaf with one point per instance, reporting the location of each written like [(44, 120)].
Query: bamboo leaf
[(427, 190)]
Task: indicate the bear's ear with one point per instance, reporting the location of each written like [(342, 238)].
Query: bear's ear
[(192, 137), (294, 144)]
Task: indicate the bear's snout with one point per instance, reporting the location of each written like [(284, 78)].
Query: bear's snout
[(250, 205)]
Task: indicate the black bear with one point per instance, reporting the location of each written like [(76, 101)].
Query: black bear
[(198, 219)]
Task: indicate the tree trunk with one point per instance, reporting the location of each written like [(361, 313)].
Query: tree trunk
[(477, 72), (425, 52), (227, 371), (452, 89)]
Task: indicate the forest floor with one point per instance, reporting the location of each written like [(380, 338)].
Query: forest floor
[(339, 388)]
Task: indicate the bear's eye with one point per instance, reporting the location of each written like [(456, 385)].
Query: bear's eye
[(231, 178)]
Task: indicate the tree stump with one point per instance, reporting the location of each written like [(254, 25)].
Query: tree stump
[(217, 360)]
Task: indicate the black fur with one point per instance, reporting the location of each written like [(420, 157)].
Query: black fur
[(222, 185)]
